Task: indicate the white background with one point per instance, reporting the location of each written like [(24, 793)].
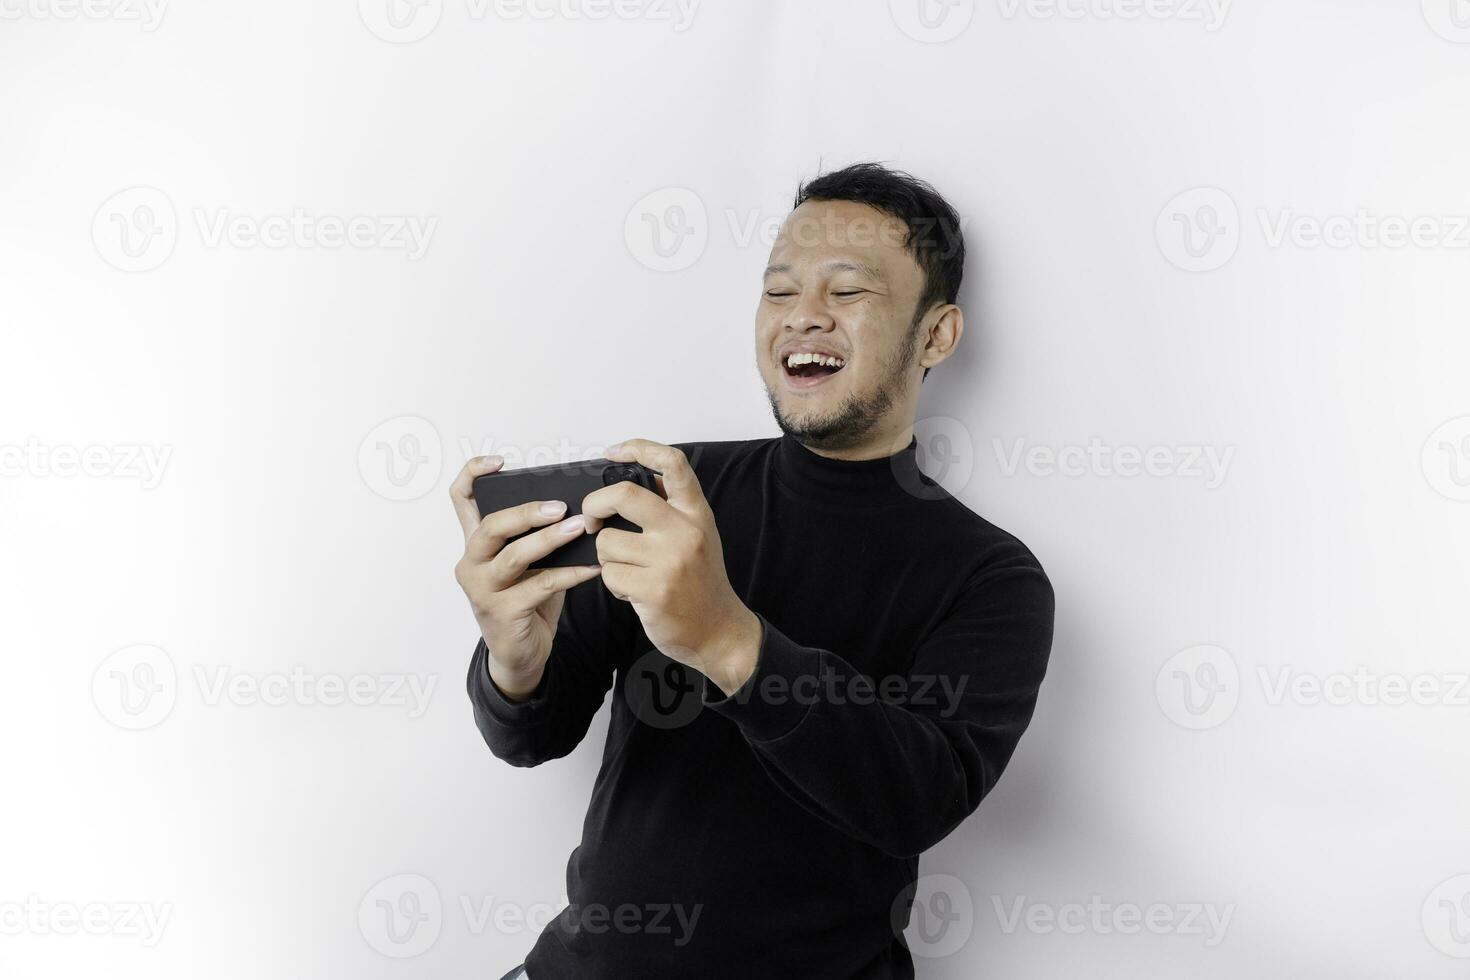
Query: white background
[(544, 317)]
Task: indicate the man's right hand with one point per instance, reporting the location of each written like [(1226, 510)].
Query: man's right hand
[(517, 609)]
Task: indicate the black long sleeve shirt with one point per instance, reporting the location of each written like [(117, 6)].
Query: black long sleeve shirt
[(775, 832)]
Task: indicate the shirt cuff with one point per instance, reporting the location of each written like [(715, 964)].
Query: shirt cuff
[(493, 700), (778, 694)]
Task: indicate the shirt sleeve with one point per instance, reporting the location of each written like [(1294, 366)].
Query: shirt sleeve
[(899, 763), (593, 635)]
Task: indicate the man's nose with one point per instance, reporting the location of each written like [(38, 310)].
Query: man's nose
[(809, 313)]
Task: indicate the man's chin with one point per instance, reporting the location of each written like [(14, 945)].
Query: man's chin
[(842, 428)]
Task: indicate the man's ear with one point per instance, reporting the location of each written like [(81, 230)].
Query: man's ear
[(943, 335)]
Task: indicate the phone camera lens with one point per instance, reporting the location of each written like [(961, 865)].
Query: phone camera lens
[(617, 474)]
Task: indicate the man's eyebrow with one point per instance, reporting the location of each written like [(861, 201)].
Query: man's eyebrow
[(851, 265), (834, 265)]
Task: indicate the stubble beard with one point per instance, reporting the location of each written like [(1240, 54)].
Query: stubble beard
[(860, 412)]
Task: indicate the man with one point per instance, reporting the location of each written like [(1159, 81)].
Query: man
[(859, 653)]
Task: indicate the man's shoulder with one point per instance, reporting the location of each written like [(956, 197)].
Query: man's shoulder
[(989, 548)]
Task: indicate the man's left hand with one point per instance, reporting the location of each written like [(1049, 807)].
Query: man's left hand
[(673, 573)]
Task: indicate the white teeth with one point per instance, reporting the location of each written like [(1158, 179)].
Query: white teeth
[(796, 360)]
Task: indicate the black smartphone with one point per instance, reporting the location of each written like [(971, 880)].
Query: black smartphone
[(568, 482)]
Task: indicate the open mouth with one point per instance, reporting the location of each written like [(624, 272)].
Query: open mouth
[(807, 368)]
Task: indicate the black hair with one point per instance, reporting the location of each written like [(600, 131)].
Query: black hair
[(934, 237)]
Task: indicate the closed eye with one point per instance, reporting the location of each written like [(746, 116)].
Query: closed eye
[(850, 292)]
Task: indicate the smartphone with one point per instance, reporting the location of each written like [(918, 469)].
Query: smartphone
[(568, 482)]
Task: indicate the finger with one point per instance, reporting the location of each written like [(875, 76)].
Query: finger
[(462, 490), (679, 483), (625, 547), (638, 504), (512, 561), (491, 533), (544, 583), (626, 582)]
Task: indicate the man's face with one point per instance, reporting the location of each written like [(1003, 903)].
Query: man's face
[(840, 297)]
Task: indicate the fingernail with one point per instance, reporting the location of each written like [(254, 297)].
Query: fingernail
[(572, 525), (492, 460), (552, 507)]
